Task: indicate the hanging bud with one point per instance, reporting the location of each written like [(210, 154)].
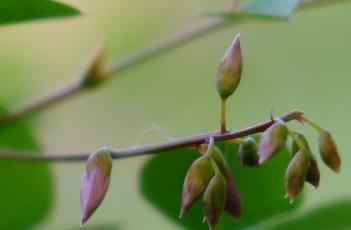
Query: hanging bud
[(229, 72), (94, 183), (273, 140), (295, 174), (248, 152), (313, 174), (214, 200), (328, 151), (233, 203), (94, 74), (196, 181)]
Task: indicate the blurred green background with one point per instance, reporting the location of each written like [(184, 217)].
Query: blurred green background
[(301, 63)]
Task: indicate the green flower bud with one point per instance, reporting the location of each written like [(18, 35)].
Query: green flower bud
[(196, 181), (214, 200), (233, 203), (248, 152), (229, 72), (94, 183), (295, 175), (313, 174), (328, 151), (94, 74), (273, 140)]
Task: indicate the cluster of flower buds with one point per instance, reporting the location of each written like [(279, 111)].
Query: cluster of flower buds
[(303, 167), (94, 182), (210, 177)]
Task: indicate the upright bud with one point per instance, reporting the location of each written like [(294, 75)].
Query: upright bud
[(273, 139), (328, 151), (248, 152), (196, 181), (94, 183), (233, 203), (214, 200), (295, 174), (94, 73), (229, 72)]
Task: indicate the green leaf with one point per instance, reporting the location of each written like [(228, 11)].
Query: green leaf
[(262, 189), (262, 9), (26, 189), (13, 11), (332, 216), (271, 8)]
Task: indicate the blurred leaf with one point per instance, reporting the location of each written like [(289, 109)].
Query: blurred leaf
[(333, 216), (262, 189), (26, 189), (263, 9), (13, 11), (312, 4)]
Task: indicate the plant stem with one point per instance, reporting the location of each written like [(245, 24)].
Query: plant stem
[(191, 141), (311, 123), (194, 32), (223, 115), (167, 44)]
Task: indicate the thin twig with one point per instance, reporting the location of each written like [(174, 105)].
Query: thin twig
[(191, 141), (195, 31)]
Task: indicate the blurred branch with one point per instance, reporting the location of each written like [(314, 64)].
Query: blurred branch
[(191, 141), (196, 31)]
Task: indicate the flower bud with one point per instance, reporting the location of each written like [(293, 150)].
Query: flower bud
[(328, 151), (295, 174), (94, 74), (196, 181), (233, 203), (273, 139), (313, 175), (248, 152), (214, 200), (94, 182), (229, 72)]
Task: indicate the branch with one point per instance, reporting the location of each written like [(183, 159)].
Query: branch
[(191, 141), (196, 31)]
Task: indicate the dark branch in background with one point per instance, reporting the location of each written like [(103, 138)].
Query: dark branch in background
[(193, 32), (191, 141)]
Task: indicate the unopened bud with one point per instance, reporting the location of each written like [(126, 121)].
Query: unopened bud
[(229, 72), (248, 152), (295, 174), (273, 140), (233, 203), (313, 175), (328, 151), (214, 200), (196, 181), (94, 74), (94, 182)]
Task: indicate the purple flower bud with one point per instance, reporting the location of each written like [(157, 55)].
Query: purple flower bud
[(196, 181), (313, 174), (214, 200), (233, 203), (328, 151), (94, 183), (248, 152), (273, 140), (229, 72), (295, 175)]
